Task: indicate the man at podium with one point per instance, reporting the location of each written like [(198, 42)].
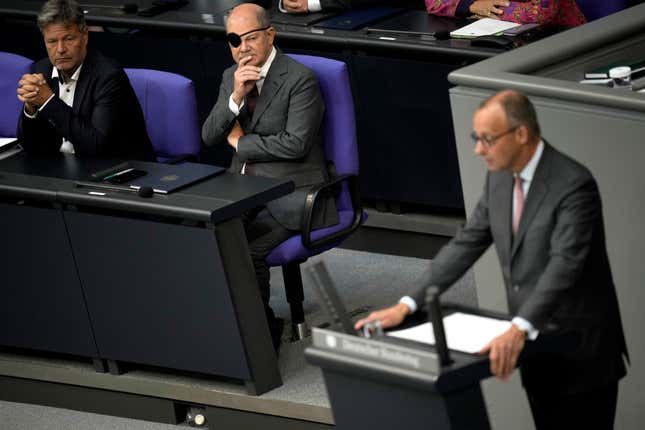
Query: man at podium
[(542, 211)]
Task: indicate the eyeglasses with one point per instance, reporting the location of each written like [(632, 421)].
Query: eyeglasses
[(235, 39), (489, 141)]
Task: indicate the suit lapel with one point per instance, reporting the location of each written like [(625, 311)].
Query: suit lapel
[(537, 191), (83, 83), (272, 83), (53, 83)]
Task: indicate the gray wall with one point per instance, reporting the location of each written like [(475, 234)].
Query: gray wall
[(611, 143)]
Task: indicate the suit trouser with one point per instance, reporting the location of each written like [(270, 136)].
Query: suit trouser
[(593, 409), (263, 234)]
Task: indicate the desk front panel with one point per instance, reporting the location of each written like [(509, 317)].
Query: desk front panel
[(157, 294), (42, 305)]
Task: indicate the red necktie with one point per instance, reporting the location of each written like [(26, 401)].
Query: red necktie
[(252, 99), (519, 198)]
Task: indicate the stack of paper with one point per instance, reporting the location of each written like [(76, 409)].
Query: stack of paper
[(464, 332), (483, 27)]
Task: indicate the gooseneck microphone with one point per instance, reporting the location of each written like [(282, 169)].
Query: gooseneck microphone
[(436, 318), (127, 7)]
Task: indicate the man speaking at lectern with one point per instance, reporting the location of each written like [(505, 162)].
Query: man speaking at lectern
[(543, 213)]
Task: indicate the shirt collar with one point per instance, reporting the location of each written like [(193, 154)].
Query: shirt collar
[(264, 70), (74, 77), (528, 171)]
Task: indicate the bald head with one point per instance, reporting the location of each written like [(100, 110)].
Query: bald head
[(248, 13), (518, 109)]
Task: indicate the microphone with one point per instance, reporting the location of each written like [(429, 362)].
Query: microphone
[(145, 192), (436, 318), (126, 8)]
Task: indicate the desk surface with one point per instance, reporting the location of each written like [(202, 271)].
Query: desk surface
[(208, 16), (213, 200)]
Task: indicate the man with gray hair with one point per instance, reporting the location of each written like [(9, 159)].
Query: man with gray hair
[(76, 101)]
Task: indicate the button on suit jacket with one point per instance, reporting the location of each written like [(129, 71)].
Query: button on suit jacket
[(556, 272)]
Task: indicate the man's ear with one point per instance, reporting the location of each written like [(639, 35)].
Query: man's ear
[(271, 34), (522, 134)]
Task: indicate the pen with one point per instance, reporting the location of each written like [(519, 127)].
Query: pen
[(117, 174)]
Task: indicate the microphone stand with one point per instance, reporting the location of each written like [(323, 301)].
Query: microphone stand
[(435, 316)]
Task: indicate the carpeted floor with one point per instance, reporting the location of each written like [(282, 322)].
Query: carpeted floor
[(365, 281)]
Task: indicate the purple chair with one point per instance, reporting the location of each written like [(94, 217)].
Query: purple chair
[(595, 9), (340, 149), (170, 110), (12, 67)]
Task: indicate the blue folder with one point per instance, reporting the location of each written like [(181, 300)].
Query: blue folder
[(166, 178)]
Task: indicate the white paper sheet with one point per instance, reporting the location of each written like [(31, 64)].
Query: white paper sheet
[(483, 27), (464, 332), (6, 141)]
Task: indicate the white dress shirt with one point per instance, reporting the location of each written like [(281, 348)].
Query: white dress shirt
[(527, 177), (66, 91)]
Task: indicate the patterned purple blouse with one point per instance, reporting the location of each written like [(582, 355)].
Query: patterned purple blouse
[(565, 13)]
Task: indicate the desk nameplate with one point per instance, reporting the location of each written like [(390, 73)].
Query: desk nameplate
[(377, 350)]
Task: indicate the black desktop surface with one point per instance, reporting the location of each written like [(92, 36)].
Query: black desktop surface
[(212, 200), (416, 22)]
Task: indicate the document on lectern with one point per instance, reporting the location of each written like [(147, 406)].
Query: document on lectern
[(464, 332)]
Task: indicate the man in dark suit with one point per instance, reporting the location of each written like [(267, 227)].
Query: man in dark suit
[(270, 111), (77, 101), (542, 210)]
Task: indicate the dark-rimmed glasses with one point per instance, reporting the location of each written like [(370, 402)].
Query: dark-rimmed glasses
[(489, 141), (235, 39)]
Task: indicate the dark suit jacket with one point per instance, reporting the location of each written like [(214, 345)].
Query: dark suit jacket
[(282, 139), (556, 272), (105, 118)]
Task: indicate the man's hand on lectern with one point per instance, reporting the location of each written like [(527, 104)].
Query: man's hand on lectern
[(389, 317), (504, 350)]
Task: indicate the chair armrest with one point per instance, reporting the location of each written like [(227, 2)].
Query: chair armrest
[(310, 202), (176, 159)]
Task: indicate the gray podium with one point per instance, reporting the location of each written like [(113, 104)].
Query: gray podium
[(385, 383), (601, 127)]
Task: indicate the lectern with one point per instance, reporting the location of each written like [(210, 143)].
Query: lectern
[(388, 383)]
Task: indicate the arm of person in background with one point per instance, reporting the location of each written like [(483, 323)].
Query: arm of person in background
[(306, 6), (560, 12)]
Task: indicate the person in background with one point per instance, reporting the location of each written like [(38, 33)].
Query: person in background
[(561, 13), (269, 111), (76, 101)]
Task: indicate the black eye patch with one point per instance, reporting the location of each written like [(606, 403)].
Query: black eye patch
[(235, 39)]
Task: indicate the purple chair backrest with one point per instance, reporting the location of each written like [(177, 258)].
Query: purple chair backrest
[(339, 126), (12, 67), (170, 110), (594, 9)]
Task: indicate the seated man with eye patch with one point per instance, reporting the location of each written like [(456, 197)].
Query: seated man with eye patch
[(269, 111)]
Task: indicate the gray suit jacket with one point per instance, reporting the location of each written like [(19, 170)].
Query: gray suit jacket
[(283, 138), (556, 271)]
